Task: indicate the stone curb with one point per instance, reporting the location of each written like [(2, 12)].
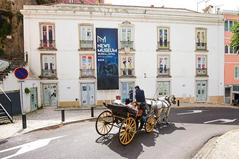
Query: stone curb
[(206, 149), (206, 106), (50, 127), (60, 125)]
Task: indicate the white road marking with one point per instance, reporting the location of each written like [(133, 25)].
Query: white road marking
[(190, 112), (221, 121), (29, 146)]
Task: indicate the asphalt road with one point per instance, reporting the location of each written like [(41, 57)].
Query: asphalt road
[(180, 140)]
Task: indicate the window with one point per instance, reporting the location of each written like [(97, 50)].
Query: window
[(230, 49), (201, 68), (87, 66), (126, 35), (47, 36), (236, 72), (86, 36), (201, 39), (127, 65), (226, 49), (48, 66), (163, 88), (163, 66), (228, 24), (163, 38)]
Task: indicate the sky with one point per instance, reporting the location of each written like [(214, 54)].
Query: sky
[(188, 4)]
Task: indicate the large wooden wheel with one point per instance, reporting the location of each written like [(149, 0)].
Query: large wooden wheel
[(104, 123), (150, 123), (127, 130)]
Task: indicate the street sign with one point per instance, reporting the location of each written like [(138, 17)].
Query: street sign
[(21, 73)]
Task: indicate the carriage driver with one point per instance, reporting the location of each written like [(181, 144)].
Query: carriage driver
[(140, 99)]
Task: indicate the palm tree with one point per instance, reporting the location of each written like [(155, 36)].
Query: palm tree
[(235, 37)]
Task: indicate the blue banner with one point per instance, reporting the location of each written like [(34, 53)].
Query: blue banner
[(107, 58)]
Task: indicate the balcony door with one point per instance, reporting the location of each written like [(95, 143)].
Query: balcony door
[(49, 94), (87, 91), (33, 98), (201, 91)]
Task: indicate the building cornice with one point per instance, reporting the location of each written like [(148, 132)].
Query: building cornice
[(111, 12)]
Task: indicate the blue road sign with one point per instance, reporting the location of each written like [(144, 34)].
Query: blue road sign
[(21, 73)]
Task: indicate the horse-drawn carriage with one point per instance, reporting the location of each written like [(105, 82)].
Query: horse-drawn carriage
[(126, 117)]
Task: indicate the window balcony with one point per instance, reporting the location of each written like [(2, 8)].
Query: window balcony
[(163, 45), (127, 44), (163, 72), (127, 72), (201, 46), (48, 73), (201, 72), (87, 73), (47, 44), (86, 44)]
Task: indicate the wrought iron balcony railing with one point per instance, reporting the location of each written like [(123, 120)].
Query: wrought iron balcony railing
[(87, 73), (163, 72), (127, 72), (86, 44), (163, 45), (201, 72), (127, 44), (201, 46), (47, 44), (48, 73)]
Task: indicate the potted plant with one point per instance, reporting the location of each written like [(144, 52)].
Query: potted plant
[(27, 90)]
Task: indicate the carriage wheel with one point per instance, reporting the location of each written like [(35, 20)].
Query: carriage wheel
[(150, 123), (127, 131), (104, 123)]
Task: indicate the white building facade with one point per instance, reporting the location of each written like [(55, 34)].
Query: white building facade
[(164, 50)]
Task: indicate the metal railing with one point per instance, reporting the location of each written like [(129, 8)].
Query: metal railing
[(201, 46), (127, 72), (163, 45), (8, 115), (47, 44), (201, 71), (127, 44), (86, 44), (9, 100), (87, 73), (163, 72), (48, 73)]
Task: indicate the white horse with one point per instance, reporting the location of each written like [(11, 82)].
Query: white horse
[(161, 107)]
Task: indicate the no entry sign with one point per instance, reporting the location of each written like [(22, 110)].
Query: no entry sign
[(21, 73)]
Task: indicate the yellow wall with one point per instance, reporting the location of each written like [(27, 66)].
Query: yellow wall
[(69, 104)]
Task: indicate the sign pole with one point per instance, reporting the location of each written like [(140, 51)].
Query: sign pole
[(24, 119), (21, 74)]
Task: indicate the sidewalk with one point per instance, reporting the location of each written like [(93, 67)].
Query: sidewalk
[(223, 147), (43, 118)]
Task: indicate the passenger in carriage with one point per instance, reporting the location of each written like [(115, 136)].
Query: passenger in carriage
[(140, 99)]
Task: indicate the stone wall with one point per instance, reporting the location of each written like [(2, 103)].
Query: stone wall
[(12, 44)]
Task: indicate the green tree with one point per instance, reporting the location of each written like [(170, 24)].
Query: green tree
[(235, 37)]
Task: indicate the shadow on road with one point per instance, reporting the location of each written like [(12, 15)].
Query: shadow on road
[(134, 149), (167, 128), (140, 140)]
